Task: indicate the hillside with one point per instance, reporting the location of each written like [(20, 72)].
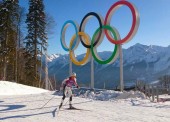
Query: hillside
[(141, 62), (11, 88)]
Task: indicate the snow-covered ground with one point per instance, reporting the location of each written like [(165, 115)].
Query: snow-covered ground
[(11, 88), (103, 106)]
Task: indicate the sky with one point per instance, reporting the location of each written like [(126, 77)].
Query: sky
[(154, 27)]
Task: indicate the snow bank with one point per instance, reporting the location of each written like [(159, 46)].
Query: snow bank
[(112, 95), (104, 95), (11, 88)]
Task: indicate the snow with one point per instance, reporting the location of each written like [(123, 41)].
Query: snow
[(2, 25), (5, 9), (54, 56), (11, 88), (110, 95), (114, 107)]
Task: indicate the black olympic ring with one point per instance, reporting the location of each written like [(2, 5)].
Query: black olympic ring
[(81, 29)]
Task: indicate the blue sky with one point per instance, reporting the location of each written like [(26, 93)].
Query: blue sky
[(154, 27)]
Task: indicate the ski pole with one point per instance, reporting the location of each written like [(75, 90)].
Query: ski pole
[(47, 102), (66, 102)]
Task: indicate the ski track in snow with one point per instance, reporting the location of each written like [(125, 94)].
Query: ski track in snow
[(28, 108)]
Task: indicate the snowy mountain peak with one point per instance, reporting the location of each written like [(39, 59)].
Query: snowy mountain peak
[(54, 56), (138, 60)]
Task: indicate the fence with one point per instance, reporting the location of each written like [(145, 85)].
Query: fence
[(152, 91)]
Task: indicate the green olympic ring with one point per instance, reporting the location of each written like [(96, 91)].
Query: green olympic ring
[(115, 53)]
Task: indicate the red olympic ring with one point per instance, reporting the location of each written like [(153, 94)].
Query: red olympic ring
[(134, 26)]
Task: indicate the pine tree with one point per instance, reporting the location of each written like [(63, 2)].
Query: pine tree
[(1, 41), (35, 39), (8, 36), (20, 65)]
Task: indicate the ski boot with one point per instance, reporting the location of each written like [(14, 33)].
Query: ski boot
[(71, 107)]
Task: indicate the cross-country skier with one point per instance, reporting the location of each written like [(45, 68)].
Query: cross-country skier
[(67, 88)]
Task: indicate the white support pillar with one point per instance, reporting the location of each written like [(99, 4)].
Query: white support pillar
[(70, 67), (121, 68), (92, 72)]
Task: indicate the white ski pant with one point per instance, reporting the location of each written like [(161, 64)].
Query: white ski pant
[(67, 91)]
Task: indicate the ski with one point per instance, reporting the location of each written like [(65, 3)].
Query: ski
[(56, 110), (74, 108)]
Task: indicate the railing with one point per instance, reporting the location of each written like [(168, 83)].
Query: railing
[(153, 92)]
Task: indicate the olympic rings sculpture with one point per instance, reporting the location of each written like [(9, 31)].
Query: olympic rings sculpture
[(104, 28)]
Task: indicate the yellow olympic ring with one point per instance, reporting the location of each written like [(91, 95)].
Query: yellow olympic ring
[(71, 52)]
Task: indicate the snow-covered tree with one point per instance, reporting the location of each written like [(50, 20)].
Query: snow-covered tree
[(8, 38), (35, 39)]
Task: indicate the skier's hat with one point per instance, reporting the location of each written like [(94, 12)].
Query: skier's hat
[(73, 74)]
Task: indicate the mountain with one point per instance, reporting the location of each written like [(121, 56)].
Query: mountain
[(141, 62)]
